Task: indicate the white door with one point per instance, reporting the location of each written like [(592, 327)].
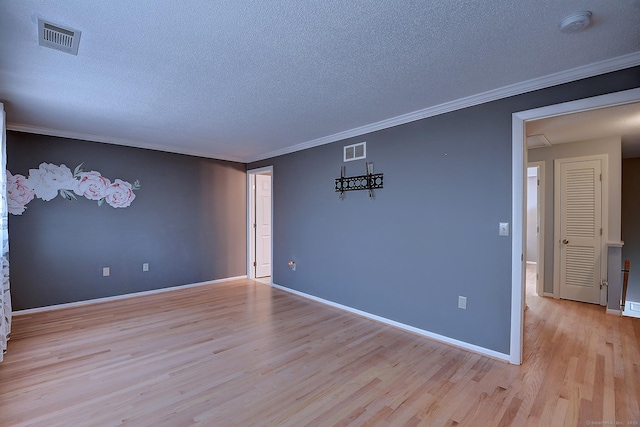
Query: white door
[(263, 225), (580, 189)]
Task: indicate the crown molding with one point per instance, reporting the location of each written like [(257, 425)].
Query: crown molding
[(585, 71), (18, 127), (582, 72)]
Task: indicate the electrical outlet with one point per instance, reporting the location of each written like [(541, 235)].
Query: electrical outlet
[(105, 271), (462, 302), (145, 266)]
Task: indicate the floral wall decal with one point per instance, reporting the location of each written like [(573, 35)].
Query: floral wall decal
[(49, 181)]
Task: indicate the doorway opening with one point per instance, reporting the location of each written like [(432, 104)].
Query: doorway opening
[(535, 230), (519, 174), (260, 224)]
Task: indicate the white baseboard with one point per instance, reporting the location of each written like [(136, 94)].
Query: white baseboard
[(437, 337), (613, 311), (547, 294), (119, 297)]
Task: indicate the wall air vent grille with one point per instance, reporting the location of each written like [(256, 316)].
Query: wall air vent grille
[(59, 38), (355, 151)]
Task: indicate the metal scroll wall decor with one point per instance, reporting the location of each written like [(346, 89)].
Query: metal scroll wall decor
[(369, 181)]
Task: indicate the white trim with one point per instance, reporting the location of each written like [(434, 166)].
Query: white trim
[(123, 296), (614, 311), (590, 70), (518, 211), (40, 130), (548, 294), (251, 232), (618, 244), (631, 309), (582, 72), (436, 337), (519, 161), (542, 207), (541, 195), (531, 263), (577, 106)]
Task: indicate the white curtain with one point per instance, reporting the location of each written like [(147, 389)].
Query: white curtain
[(5, 296)]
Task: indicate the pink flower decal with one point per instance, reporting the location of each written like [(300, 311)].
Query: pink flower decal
[(49, 180), (18, 193), (119, 194), (92, 185)]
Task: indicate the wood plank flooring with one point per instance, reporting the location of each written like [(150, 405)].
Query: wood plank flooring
[(243, 354)]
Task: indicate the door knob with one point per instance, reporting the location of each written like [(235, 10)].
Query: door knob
[(565, 241)]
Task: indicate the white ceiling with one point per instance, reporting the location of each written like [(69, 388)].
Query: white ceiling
[(621, 120), (246, 79)]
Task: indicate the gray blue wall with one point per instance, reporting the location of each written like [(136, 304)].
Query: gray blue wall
[(631, 223), (188, 222), (431, 234)]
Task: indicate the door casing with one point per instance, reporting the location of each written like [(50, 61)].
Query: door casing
[(262, 229), (251, 233), (518, 191), (541, 224)]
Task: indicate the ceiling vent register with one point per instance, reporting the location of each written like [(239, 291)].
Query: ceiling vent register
[(537, 141), (56, 37)]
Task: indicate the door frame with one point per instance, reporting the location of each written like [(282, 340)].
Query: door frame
[(518, 192), (604, 218), (541, 216), (251, 231)]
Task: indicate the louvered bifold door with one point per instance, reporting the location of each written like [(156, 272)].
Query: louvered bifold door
[(581, 228)]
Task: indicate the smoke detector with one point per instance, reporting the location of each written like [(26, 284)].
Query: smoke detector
[(57, 37), (575, 22)]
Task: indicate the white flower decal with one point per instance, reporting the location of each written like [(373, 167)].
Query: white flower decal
[(49, 180)]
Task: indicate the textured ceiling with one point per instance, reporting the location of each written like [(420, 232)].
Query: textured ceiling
[(240, 79), (621, 120)]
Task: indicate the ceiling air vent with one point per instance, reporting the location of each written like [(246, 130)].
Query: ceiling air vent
[(57, 37), (537, 141), (355, 151)]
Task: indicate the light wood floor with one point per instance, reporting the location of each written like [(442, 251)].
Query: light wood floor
[(242, 354)]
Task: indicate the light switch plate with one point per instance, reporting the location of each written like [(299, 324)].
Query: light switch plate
[(106, 271), (504, 229)]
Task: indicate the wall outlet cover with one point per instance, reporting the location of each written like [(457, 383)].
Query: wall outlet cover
[(462, 302)]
